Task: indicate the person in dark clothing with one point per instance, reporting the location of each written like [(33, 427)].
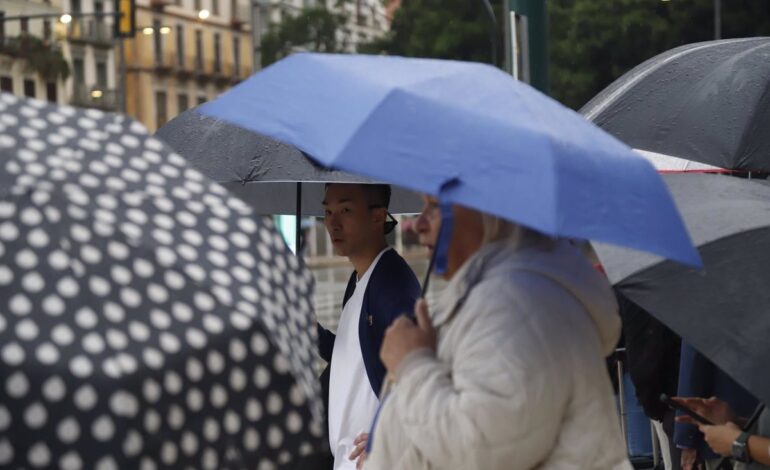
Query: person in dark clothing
[(381, 288), (652, 360)]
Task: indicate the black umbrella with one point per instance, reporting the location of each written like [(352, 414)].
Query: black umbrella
[(289, 182), (723, 309), (147, 318), (707, 102)]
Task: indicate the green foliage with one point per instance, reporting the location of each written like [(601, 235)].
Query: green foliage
[(41, 56), (313, 29), (444, 29), (591, 42)]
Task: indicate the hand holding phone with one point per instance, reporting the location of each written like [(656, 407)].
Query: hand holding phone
[(678, 406)]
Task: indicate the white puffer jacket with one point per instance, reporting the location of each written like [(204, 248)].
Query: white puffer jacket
[(519, 379)]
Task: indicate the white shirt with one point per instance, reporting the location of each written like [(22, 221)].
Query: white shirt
[(352, 402)]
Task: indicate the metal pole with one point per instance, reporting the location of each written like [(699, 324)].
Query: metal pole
[(298, 226), (717, 19), (621, 402), (122, 75), (493, 29), (256, 35)]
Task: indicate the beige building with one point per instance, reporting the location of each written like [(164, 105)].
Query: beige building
[(91, 51), (366, 19), (16, 74), (185, 52)]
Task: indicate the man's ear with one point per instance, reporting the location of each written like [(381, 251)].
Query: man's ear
[(380, 215)]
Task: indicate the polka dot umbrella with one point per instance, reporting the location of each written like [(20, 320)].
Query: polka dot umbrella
[(147, 319)]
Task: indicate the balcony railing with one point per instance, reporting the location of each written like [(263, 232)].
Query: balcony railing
[(94, 97), (91, 31), (203, 69)]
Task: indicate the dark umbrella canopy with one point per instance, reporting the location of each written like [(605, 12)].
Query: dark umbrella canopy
[(707, 102), (723, 309), (147, 319), (237, 159)]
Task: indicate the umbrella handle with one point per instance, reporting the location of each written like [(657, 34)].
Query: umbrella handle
[(438, 259)]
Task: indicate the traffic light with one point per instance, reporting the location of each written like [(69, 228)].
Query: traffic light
[(125, 21)]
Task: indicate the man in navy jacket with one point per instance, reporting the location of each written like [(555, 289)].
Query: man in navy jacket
[(381, 288)]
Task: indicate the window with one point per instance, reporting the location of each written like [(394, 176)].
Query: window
[(197, 5), (201, 99), (101, 74), (50, 92), (237, 55), (182, 102), (157, 41), (76, 6), (160, 108), (6, 84), (99, 9), (180, 44), (234, 9), (199, 50), (24, 25), (78, 71), (29, 88), (217, 52), (215, 7), (47, 30)]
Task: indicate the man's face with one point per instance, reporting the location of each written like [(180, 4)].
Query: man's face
[(351, 223), (428, 222), (467, 233)]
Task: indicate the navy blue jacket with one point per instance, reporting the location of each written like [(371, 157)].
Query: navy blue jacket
[(392, 291), (699, 377)]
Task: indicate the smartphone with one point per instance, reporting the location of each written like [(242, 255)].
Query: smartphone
[(678, 406)]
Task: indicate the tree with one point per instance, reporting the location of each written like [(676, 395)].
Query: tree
[(444, 29), (595, 42), (591, 42), (313, 29)]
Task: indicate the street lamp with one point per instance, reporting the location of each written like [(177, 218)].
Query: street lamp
[(96, 94), (150, 30), (65, 18), (204, 14)]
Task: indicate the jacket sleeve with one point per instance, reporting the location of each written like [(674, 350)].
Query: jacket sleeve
[(325, 342), (449, 410), (695, 380)]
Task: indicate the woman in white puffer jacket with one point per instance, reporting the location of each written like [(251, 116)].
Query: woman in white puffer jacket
[(508, 370)]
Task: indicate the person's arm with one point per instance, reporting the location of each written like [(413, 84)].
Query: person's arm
[(720, 439), (759, 449), (489, 396), (325, 342), (693, 378)]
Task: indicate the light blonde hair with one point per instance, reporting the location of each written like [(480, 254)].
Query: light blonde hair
[(501, 230)]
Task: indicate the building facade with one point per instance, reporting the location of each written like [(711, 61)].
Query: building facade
[(91, 51), (366, 20), (185, 52), (17, 76)]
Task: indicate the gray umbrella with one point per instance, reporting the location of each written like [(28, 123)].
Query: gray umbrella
[(707, 102), (147, 318), (237, 158), (723, 309)]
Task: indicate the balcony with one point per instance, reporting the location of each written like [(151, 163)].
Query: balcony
[(94, 97), (166, 63), (91, 31), (160, 5)]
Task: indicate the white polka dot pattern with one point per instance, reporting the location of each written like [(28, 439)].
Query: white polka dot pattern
[(147, 319)]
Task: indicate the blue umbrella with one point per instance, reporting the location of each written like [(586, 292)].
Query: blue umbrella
[(468, 133)]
